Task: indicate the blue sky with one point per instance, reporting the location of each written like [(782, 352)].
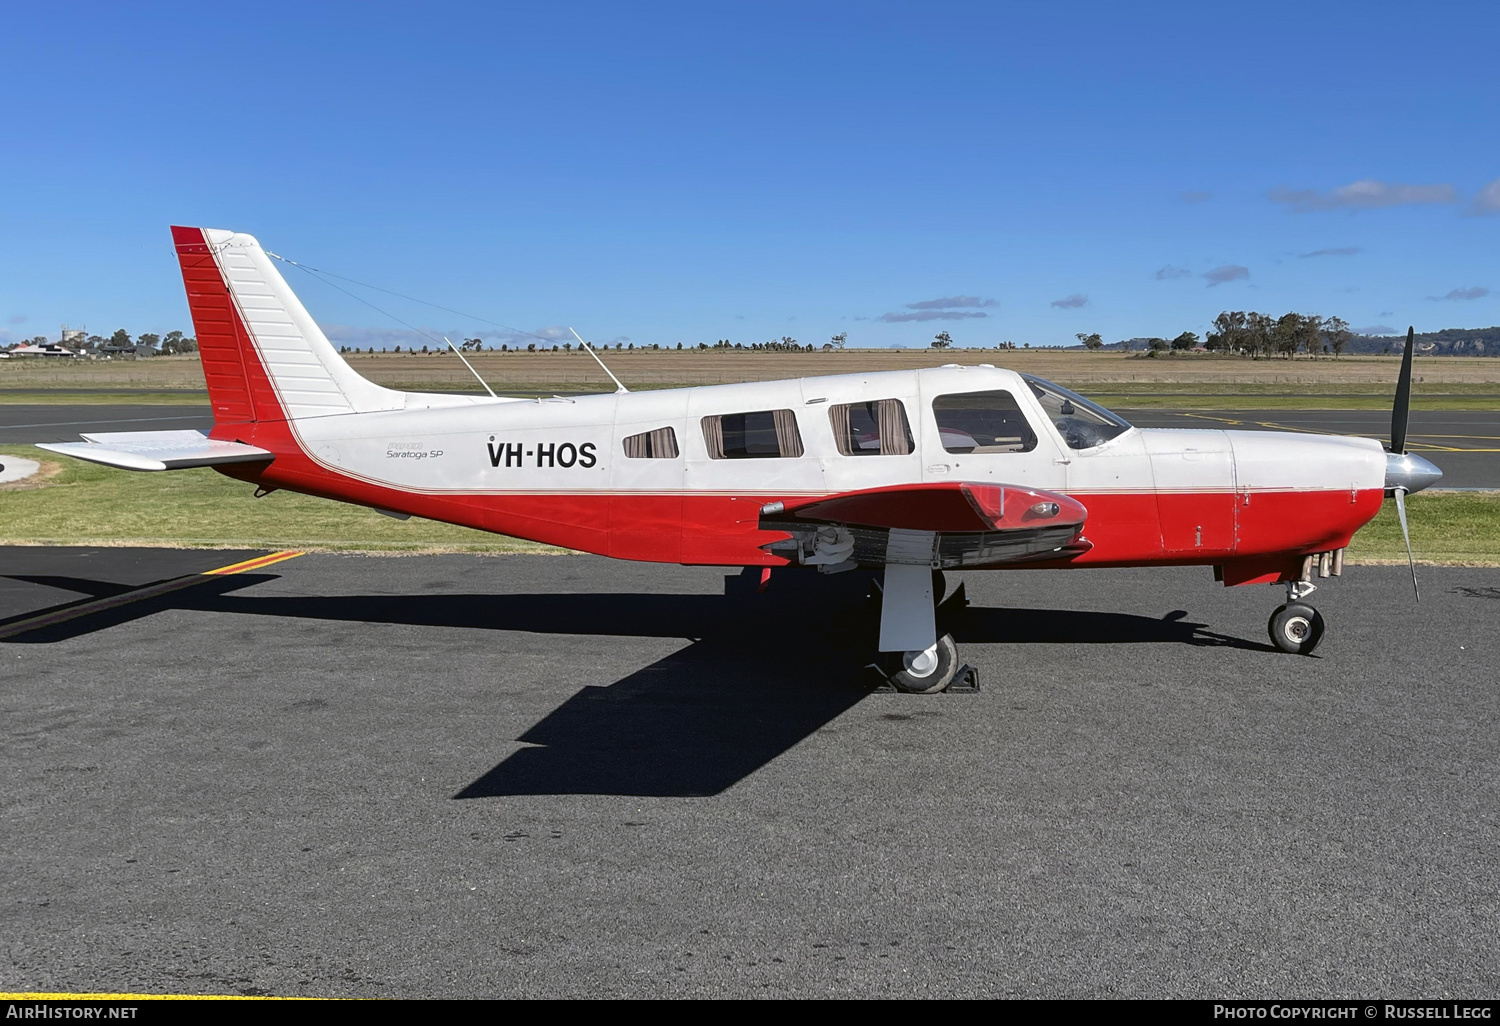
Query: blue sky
[(682, 173)]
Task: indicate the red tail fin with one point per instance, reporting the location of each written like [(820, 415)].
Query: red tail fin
[(222, 342)]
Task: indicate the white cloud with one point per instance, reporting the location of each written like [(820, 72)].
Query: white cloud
[(1228, 272), (1072, 302), (389, 338), (931, 315), (950, 302), (1462, 294), (1488, 199), (1339, 251), (1365, 194)]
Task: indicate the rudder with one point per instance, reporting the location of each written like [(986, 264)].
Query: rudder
[(264, 357)]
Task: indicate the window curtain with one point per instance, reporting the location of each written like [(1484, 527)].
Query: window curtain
[(843, 432), (635, 447), (713, 437), (895, 436), (661, 444), (788, 441)]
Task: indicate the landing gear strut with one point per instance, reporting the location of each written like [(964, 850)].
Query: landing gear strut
[(1295, 626), (915, 658)]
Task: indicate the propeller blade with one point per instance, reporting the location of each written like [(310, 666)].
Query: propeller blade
[(1411, 561), (1401, 410)]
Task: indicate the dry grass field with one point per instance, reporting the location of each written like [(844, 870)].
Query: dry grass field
[(1100, 373)]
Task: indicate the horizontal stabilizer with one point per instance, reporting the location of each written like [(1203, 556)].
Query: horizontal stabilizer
[(157, 450)]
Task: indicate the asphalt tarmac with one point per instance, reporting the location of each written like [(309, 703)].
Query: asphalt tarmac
[(572, 777), (1465, 444)]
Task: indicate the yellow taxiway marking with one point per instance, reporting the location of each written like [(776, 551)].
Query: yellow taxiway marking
[(10, 630)]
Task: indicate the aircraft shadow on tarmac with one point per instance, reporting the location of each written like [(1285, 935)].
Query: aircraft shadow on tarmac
[(762, 673)]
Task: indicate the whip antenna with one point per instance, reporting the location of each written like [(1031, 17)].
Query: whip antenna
[(472, 371), (621, 387)]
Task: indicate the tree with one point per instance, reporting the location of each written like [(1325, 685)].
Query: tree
[(1336, 330), (1286, 334), (1229, 333), (148, 340), (170, 342), (121, 338), (1093, 343), (838, 340), (1158, 345), (942, 340), (1258, 333), (1310, 333), (1187, 340)]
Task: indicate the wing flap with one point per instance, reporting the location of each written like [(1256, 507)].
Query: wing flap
[(157, 450)]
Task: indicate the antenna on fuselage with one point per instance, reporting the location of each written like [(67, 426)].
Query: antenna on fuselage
[(472, 371), (620, 385)]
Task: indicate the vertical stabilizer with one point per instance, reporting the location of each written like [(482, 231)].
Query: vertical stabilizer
[(264, 357)]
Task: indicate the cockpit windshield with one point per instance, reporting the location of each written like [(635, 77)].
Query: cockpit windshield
[(1082, 424)]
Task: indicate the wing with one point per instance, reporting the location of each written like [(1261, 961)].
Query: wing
[(157, 450), (947, 524)]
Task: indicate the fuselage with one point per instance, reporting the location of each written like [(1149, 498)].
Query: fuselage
[(602, 474)]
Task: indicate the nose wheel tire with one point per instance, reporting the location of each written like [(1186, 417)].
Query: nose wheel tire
[(927, 672), (1296, 628)]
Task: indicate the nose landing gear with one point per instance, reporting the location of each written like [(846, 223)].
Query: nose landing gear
[(1295, 626)]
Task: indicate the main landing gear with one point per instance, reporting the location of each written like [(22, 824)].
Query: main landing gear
[(1295, 626), (914, 657)]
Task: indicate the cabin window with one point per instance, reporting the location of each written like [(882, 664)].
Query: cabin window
[(767, 434), (982, 422), (876, 428), (660, 444)]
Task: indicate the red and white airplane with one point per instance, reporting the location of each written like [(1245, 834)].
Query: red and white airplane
[(907, 471)]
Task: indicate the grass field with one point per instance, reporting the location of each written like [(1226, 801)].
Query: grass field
[(85, 504)]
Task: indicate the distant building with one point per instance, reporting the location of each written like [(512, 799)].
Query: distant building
[(74, 335), (45, 349)]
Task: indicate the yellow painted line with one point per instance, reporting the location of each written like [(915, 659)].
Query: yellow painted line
[(10, 630), (44, 996)]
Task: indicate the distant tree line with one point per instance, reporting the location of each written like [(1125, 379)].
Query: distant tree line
[(1257, 334)]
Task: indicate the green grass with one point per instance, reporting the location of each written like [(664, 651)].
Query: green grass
[(1446, 527), (86, 504)]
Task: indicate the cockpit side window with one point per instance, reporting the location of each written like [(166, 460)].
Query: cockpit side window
[(982, 422), (1081, 423), (876, 428)]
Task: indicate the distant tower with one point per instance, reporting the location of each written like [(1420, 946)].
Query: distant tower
[(73, 334)]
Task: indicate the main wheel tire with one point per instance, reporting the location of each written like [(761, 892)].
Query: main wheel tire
[(926, 673), (1296, 628)]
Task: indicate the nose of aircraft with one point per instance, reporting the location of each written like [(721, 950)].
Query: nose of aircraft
[(1411, 473)]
